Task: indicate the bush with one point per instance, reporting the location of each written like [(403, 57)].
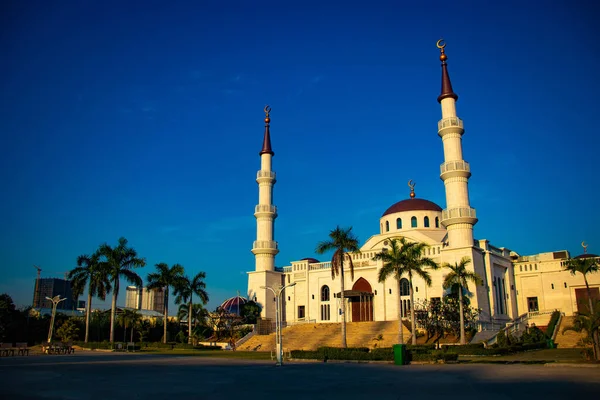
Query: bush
[(552, 324)]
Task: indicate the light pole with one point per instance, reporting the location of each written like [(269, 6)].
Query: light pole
[(278, 336), (55, 300)]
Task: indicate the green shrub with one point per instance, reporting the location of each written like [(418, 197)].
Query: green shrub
[(501, 339), (552, 324), (383, 354)]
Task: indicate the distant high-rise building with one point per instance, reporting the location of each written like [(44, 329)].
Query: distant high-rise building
[(144, 299), (50, 287), (133, 297)]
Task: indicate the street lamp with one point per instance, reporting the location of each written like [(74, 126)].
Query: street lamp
[(278, 336), (55, 300)]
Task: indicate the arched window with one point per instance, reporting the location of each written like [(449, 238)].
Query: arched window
[(413, 222), (398, 223), (325, 293), (387, 226), (437, 222), (426, 222), (404, 287)]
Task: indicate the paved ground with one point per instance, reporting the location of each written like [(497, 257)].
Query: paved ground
[(90, 375)]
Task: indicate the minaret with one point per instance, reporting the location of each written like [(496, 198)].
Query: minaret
[(458, 217), (264, 247)]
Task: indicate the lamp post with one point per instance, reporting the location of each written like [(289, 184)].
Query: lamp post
[(55, 300), (277, 291)]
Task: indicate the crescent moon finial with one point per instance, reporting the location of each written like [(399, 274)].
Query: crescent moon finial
[(585, 246), (267, 110), (441, 44), (411, 185)]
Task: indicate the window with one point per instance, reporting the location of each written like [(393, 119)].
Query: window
[(565, 284), (521, 268), (390, 291), (325, 312), (426, 222), (532, 304), (399, 223), (437, 222), (536, 267), (300, 312), (313, 296), (325, 293), (413, 222), (404, 287), (387, 226), (552, 285)]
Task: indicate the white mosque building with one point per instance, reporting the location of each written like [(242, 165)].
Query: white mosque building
[(512, 284)]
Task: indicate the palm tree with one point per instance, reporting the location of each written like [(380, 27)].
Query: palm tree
[(199, 313), (341, 241), (119, 262), (411, 262), (590, 324), (394, 261), (90, 272), (185, 290), (586, 264), (460, 277), (128, 318), (165, 278)]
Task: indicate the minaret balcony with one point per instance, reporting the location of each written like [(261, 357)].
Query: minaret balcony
[(265, 208), (459, 215), (265, 244), (455, 168), (265, 174), (450, 125)]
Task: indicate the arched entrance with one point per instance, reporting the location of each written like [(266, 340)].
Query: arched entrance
[(361, 298)]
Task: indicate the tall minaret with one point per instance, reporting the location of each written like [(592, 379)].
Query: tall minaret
[(265, 247), (458, 217)]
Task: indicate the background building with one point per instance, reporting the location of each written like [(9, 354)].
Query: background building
[(50, 287), (144, 299)]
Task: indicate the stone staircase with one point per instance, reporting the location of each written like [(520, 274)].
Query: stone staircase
[(312, 336), (569, 339)]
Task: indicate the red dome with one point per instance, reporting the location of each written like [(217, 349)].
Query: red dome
[(234, 304), (412, 205), (310, 260)]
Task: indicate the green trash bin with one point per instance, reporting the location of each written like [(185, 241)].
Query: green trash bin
[(399, 354), (550, 344)]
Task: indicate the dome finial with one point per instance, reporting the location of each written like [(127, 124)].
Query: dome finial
[(267, 112), (585, 246), (441, 45), (411, 185)]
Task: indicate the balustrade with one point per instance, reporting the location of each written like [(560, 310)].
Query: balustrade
[(451, 121)]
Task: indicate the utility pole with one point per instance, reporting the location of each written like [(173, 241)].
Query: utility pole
[(277, 291), (55, 300)]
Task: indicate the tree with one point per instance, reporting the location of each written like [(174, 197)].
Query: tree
[(128, 318), (67, 331), (7, 314), (91, 272), (165, 278), (588, 322), (460, 276), (185, 289), (250, 312), (394, 262), (586, 265), (120, 262), (410, 262), (341, 241)]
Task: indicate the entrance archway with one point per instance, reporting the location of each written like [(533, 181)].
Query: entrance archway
[(361, 298)]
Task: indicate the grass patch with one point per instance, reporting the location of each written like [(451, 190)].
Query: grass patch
[(533, 356)]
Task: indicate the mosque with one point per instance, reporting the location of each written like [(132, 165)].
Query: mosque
[(512, 284)]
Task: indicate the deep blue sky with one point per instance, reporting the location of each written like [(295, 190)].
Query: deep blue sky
[(144, 120)]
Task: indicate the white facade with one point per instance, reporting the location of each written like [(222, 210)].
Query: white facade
[(448, 233)]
